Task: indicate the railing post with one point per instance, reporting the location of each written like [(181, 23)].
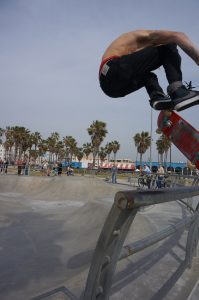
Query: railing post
[(108, 249), (192, 240)]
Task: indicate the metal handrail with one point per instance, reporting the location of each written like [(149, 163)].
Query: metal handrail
[(110, 248), (152, 239), (170, 179)]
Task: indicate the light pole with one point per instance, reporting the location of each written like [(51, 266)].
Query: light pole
[(170, 157), (151, 138)]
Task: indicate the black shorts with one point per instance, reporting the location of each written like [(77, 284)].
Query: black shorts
[(126, 74)]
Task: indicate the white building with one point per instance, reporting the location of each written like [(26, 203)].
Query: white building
[(2, 152)]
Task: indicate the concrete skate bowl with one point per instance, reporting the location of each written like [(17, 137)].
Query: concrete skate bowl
[(49, 228)]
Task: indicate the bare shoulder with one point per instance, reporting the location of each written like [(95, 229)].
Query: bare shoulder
[(145, 38), (139, 34), (140, 38), (126, 43)]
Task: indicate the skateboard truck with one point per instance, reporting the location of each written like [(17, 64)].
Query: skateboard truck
[(168, 123)]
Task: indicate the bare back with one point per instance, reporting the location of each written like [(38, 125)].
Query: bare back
[(133, 41), (127, 43)]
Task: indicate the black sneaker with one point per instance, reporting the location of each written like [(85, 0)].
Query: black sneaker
[(159, 101), (183, 98)]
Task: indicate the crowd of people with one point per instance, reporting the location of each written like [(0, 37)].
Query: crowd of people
[(146, 171), (47, 169), (22, 167), (55, 169)]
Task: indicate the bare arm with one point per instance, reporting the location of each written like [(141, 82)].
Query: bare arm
[(188, 47), (158, 37)]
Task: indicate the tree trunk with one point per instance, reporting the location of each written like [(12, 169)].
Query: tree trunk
[(140, 159)]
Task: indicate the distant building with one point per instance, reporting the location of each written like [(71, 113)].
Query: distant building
[(121, 164), (2, 152)]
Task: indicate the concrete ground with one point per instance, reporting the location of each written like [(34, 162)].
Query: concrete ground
[(49, 227)]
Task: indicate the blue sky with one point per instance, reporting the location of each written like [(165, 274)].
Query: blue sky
[(49, 59)]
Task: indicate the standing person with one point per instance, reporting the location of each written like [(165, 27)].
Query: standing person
[(6, 163), (19, 166), (26, 167), (59, 168), (129, 60), (114, 174), (160, 178), (1, 166), (23, 167), (44, 168), (147, 172)]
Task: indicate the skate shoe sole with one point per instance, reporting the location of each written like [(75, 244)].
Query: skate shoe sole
[(187, 103), (161, 105)]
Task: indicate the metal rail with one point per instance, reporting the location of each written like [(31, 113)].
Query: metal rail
[(170, 180), (110, 248)]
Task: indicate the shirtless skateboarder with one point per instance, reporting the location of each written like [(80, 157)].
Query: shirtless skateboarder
[(128, 62)]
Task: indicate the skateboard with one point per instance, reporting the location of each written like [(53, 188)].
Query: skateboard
[(184, 136)]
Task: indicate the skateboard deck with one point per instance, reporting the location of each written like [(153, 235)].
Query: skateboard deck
[(184, 136)]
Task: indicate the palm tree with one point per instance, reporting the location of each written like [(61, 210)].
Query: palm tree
[(87, 149), (43, 147), (109, 149), (36, 139), (115, 148), (142, 143), (160, 149), (97, 131), (19, 137), (79, 153), (1, 134), (102, 154), (59, 150), (9, 143), (71, 146), (163, 146), (26, 143), (52, 140)]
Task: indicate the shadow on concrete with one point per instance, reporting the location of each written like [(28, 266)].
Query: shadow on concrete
[(29, 251)]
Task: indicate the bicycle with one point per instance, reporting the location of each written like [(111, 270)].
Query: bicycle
[(144, 180)]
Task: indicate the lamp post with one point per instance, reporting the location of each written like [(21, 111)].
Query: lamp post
[(170, 156), (151, 138)]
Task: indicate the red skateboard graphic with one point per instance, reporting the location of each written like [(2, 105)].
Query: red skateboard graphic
[(184, 136)]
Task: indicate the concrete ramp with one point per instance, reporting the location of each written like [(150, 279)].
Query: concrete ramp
[(49, 227), (53, 188)]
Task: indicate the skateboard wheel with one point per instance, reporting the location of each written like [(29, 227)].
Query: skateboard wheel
[(167, 113), (181, 122), (158, 131)]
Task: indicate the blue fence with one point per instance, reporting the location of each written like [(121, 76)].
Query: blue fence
[(75, 165), (173, 165)]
